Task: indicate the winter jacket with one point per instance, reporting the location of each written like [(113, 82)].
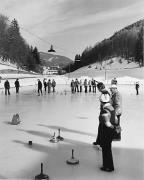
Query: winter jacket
[(7, 85), (17, 83), (116, 102)]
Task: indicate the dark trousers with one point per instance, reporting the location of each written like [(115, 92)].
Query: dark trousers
[(85, 89), (53, 89), (106, 140), (89, 88), (39, 91), (80, 88), (7, 91), (49, 89), (137, 92), (17, 89), (117, 136), (76, 88), (98, 139), (45, 88)]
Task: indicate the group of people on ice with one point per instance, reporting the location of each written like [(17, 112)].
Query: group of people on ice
[(109, 122), (49, 86), (7, 86), (78, 85)]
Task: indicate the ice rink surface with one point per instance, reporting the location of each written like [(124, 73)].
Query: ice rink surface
[(77, 117)]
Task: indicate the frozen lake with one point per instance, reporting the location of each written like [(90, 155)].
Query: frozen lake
[(77, 117)]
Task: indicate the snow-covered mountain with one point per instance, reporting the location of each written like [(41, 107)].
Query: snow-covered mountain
[(48, 59), (126, 71)]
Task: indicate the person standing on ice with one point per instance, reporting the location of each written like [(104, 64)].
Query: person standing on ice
[(102, 89), (137, 88), (49, 84), (89, 84), (45, 84), (17, 85), (80, 83), (107, 120), (53, 85), (116, 102), (7, 87), (93, 85), (76, 85), (72, 86), (39, 87), (114, 81), (85, 85)]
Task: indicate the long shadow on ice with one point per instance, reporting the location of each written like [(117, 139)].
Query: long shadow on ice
[(2, 177), (36, 133), (128, 162), (68, 130)]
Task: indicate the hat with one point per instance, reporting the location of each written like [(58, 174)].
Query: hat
[(105, 98), (100, 85), (113, 86)]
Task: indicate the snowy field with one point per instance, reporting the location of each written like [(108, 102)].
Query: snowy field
[(77, 117)]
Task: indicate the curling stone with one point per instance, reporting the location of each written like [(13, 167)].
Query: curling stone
[(59, 137), (30, 143), (72, 160), (54, 139), (41, 176), (15, 119)]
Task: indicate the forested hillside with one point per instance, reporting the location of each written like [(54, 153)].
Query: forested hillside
[(13, 47), (48, 59), (126, 43)]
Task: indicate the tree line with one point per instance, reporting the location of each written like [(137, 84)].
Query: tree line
[(14, 48), (126, 43)]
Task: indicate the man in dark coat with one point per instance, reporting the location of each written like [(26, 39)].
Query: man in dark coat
[(53, 85), (49, 85), (45, 84), (137, 88), (39, 87), (102, 89), (17, 85), (7, 87), (107, 120)]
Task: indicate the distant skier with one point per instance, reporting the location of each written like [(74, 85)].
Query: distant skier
[(39, 87), (7, 87), (114, 81), (137, 88), (17, 85)]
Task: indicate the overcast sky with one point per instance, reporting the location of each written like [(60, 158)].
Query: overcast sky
[(71, 25)]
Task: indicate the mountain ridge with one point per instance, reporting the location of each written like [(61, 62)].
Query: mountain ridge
[(48, 59)]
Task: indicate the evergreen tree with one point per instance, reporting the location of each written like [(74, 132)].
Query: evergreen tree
[(36, 55), (139, 48)]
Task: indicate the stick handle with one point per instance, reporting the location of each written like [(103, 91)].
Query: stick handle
[(72, 153), (41, 168)]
